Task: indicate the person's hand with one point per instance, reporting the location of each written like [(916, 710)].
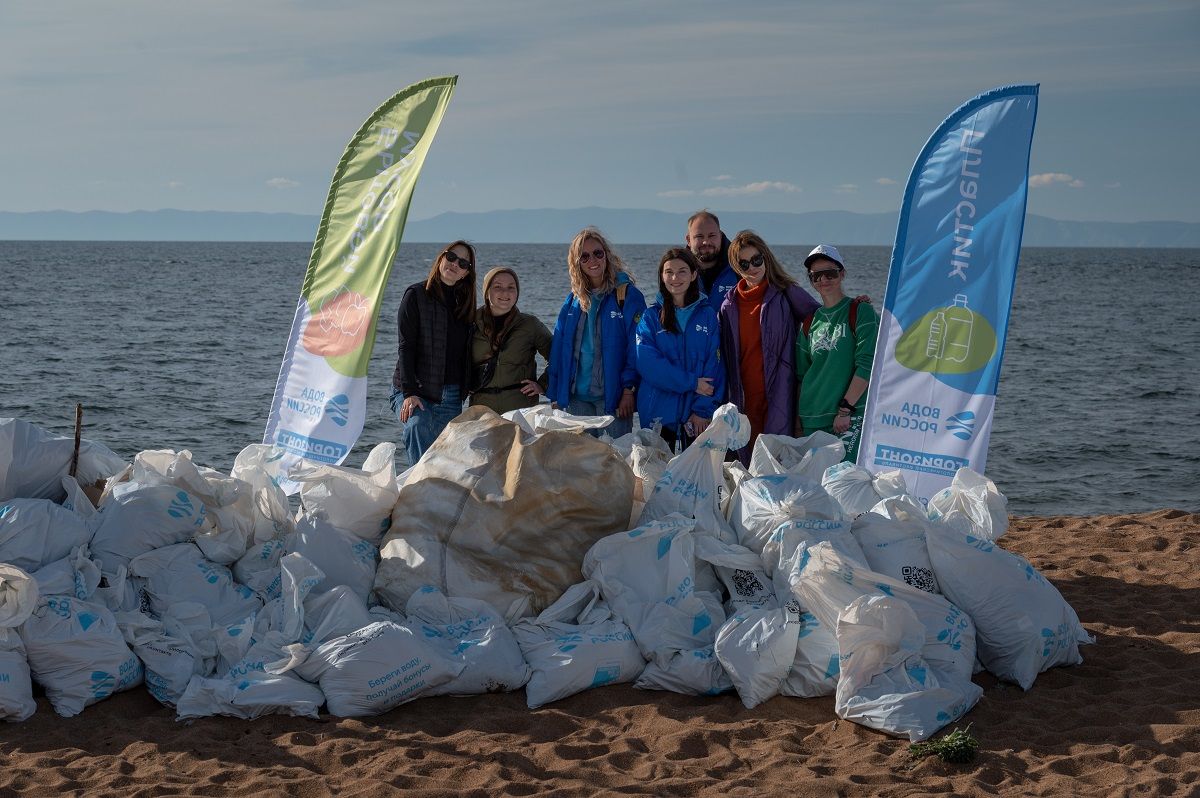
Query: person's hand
[(411, 405), (626, 406), (530, 388), (863, 298), (841, 423), (698, 425), (704, 386)]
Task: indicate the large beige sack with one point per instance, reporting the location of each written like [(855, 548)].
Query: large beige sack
[(496, 514)]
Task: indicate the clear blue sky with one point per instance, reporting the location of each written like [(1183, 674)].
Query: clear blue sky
[(781, 106)]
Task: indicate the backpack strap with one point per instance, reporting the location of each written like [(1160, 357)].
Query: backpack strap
[(622, 289)]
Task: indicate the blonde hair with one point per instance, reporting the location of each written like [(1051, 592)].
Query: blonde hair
[(775, 275), (581, 286)]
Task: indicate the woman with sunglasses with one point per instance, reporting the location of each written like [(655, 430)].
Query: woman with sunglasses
[(678, 353), (593, 369), (434, 323), (504, 347), (834, 350), (759, 319)]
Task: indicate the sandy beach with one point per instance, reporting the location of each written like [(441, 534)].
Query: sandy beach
[(1125, 722)]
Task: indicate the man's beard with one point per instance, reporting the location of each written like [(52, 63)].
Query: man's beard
[(708, 259)]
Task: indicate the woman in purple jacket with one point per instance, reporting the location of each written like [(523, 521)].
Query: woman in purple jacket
[(759, 320)]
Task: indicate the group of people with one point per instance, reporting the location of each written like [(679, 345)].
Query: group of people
[(728, 324)]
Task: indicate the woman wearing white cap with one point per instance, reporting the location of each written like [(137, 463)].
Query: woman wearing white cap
[(834, 350)]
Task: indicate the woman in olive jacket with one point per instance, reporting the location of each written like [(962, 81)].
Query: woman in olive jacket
[(504, 346)]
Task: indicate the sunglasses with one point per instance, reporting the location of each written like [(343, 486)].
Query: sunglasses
[(458, 260), (598, 254), (825, 274), (756, 261)]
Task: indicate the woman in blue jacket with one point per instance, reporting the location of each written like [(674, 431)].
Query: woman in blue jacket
[(592, 367), (678, 353)]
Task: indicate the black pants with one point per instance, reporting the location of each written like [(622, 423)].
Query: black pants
[(674, 433)]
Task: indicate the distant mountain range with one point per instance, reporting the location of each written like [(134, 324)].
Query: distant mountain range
[(550, 225)]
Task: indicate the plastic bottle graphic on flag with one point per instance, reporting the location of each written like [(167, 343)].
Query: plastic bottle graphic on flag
[(945, 314), (319, 407)]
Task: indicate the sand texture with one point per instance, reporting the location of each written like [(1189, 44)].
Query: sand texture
[(1126, 722)]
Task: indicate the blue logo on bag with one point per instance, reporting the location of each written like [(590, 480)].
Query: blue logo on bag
[(102, 684), (337, 409), (181, 506), (86, 619), (701, 622), (962, 425), (606, 674)]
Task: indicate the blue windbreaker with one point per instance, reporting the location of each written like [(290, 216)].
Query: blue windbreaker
[(617, 325), (670, 364)]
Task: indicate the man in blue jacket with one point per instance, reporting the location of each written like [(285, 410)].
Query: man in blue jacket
[(711, 247)]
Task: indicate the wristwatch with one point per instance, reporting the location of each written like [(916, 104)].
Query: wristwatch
[(631, 388), (844, 405)]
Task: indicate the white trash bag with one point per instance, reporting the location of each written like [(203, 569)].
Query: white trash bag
[(1024, 625), (763, 503), (77, 653), (18, 599), (474, 631), (33, 462), (37, 532), (258, 467), (357, 501), (976, 497), (808, 457), (648, 577), (377, 668), (886, 683), (741, 573), (180, 573), (74, 575), (543, 418), (344, 558), (250, 696), (693, 484), (757, 648), (137, 519), (576, 644), (857, 490), (170, 660), (826, 582), (893, 538)]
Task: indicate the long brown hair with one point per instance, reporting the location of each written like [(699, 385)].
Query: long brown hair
[(666, 314), (581, 287), (487, 322), (463, 290), (776, 275)]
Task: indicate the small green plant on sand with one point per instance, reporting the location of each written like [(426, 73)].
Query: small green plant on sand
[(958, 746)]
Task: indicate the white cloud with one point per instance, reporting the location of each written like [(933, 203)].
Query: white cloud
[(1050, 178), (885, 181), (173, 184), (1113, 185), (720, 178), (282, 182), (761, 187), (845, 188), (678, 192)]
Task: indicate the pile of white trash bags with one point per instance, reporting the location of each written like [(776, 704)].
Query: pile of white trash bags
[(517, 553)]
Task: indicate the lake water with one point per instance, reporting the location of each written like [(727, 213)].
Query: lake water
[(178, 345)]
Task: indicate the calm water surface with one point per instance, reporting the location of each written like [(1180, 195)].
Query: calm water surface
[(178, 345)]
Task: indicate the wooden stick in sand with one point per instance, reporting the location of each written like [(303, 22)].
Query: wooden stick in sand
[(78, 432)]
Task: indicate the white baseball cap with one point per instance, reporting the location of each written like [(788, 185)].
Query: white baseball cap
[(827, 251)]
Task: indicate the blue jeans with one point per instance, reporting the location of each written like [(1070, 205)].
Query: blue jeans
[(423, 426), (582, 407)]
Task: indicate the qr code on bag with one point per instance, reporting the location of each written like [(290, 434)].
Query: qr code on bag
[(920, 578)]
